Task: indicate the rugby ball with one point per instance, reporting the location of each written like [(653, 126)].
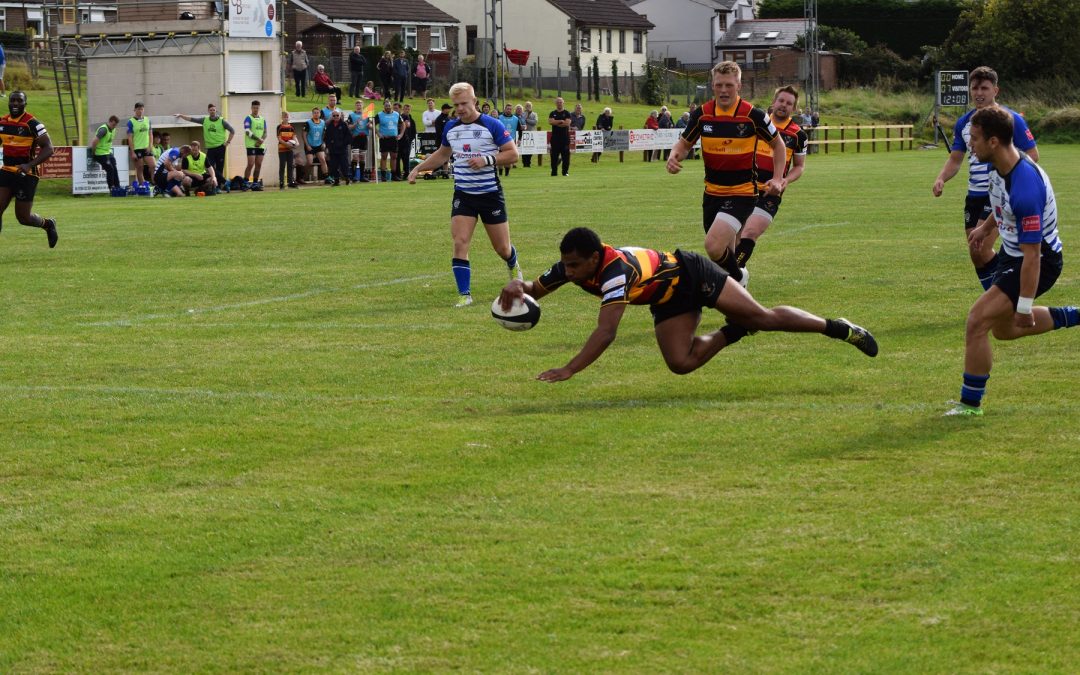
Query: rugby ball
[(522, 315), (293, 142)]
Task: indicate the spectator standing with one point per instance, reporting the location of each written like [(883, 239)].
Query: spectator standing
[(254, 144), (653, 122), (357, 65), (323, 83), (513, 124), (298, 63), (560, 121), (441, 120), (314, 147), (429, 116), (604, 122), (286, 143), (664, 121), (386, 72), (215, 129), (532, 120), (139, 135), (338, 141), (577, 118), (405, 145), (401, 76), (101, 151), (420, 76)]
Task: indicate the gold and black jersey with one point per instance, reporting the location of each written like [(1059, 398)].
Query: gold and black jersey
[(629, 275), (729, 141), (18, 135), (795, 142)]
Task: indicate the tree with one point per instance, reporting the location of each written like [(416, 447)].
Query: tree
[(596, 78), (615, 79), (575, 68), (652, 86)]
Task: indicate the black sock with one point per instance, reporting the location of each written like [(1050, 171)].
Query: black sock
[(836, 330), (733, 333), (744, 250), (986, 273), (727, 262)]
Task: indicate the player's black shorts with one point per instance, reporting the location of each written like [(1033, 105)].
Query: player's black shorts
[(739, 208), (161, 179), (1007, 276), (255, 152), (140, 154), (700, 283), (316, 149), (489, 207), (22, 185), (359, 143), (770, 204), (388, 144), (975, 209)]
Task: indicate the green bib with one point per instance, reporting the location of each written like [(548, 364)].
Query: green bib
[(104, 144), (197, 165), (140, 133), (213, 132), (258, 128)]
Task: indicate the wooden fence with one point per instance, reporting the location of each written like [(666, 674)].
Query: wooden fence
[(856, 135)]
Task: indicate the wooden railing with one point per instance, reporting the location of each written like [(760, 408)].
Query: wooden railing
[(856, 135)]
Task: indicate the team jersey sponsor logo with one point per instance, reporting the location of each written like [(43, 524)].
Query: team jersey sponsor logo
[(1029, 135), (1031, 224), (707, 128), (466, 147), (742, 130), (477, 133)]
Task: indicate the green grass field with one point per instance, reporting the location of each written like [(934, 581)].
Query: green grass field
[(250, 433)]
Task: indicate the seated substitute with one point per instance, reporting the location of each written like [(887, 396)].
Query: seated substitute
[(676, 286), (169, 173), (198, 172)]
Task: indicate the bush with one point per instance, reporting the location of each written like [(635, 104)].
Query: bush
[(13, 39), (17, 76), (1059, 126)]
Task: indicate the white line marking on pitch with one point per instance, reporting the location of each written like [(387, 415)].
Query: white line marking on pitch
[(193, 393), (812, 226), (255, 303)]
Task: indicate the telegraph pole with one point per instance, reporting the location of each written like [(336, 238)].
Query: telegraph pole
[(813, 54)]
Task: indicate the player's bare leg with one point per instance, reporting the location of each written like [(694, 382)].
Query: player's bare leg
[(720, 242)]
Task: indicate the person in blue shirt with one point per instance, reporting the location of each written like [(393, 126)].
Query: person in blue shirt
[(983, 83), (1023, 209), (313, 145), (390, 129), (513, 124), (358, 125), (478, 144), (3, 66)]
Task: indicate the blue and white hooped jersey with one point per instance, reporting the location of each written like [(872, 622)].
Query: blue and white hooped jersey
[(979, 172), (173, 155), (1024, 207), (480, 138)]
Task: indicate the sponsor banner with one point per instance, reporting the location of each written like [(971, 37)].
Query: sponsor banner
[(427, 143), (533, 143), (58, 165), (653, 139), (588, 141), (88, 178), (617, 140), (252, 18)]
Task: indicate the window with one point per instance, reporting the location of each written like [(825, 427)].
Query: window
[(3, 18), (772, 35), (245, 72), (639, 38), (408, 37), (369, 36), (745, 36), (622, 42), (470, 40), (585, 35), (721, 20), (35, 22), (761, 56), (737, 57), (438, 39), (609, 41)]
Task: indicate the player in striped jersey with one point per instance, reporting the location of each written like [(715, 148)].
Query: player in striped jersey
[(479, 144), (785, 102), (730, 128), (983, 83), (676, 286), (26, 144), (1024, 212)]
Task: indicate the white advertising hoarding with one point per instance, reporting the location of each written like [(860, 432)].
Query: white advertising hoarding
[(87, 176), (252, 18)]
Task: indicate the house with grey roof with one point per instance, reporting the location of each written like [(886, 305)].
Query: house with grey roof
[(687, 31)]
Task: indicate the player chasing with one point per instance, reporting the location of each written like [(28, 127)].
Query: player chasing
[(730, 130), (676, 286), (983, 83), (26, 144), (1025, 213), (479, 144), (785, 103)]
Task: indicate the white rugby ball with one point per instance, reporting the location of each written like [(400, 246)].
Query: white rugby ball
[(293, 142), (522, 315)]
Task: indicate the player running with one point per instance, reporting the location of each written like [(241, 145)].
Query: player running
[(478, 144), (1025, 213), (983, 83), (785, 103), (26, 144), (676, 286)]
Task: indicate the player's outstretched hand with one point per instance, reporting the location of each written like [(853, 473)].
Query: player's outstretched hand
[(511, 292), (939, 187), (555, 375), (412, 176), (674, 165)]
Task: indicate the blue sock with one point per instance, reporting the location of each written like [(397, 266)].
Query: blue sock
[(462, 275), (972, 391), (512, 260), (1064, 317)]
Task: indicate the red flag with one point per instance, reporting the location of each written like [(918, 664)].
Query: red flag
[(518, 57)]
